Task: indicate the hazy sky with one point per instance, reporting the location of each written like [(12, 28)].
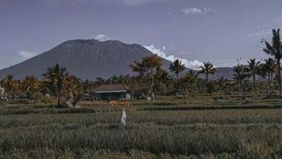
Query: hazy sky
[(219, 31)]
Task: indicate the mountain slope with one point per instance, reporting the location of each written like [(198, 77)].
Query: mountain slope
[(87, 59), (90, 59)]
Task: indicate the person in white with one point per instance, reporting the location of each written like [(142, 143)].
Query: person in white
[(123, 118)]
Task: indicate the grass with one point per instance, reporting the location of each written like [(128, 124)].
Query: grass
[(95, 132)]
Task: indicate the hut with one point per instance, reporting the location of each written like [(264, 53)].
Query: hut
[(110, 92)]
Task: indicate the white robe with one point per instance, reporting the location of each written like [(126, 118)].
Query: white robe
[(123, 118)]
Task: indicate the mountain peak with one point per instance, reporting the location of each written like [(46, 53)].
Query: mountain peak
[(87, 59)]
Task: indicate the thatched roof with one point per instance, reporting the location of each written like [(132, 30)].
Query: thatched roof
[(111, 88)]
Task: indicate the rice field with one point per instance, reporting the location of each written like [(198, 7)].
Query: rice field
[(97, 133)]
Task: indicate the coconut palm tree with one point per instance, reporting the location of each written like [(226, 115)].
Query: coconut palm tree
[(55, 77), (240, 73), (177, 67), (274, 48), (254, 69), (267, 69), (207, 69)]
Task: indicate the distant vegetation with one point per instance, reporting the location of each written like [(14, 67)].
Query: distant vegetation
[(257, 77)]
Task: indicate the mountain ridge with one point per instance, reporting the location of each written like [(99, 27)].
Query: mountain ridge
[(87, 59)]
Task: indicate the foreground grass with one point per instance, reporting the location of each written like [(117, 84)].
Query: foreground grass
[(148, 134), (213, 126), (101, 154)]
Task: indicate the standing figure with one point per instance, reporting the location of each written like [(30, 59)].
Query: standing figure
[(123, 118)]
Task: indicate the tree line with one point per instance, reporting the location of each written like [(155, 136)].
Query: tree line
[(151, 79)]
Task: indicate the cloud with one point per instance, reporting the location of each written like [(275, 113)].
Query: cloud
[(102, 37), (198, 11), (24, 55), (195, 64)]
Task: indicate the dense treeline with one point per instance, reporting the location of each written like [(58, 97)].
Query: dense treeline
[(258, 77)]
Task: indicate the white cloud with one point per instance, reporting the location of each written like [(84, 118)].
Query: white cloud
[(209, 10), (195, 64), (24, 55), (102, 37), (198, 11), (192, 11)]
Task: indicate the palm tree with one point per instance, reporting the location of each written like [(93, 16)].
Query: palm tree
[(275, 49), (207, 69), (55, 77), (177, 67), (240, 73), (267, 69), (254, 69)]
